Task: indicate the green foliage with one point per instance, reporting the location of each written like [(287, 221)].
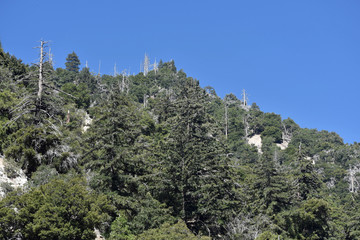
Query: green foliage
[(7, 101), (30, 147), (88, 79), (43, 175), (168, 65), (139, 87), (290, 126), (310, 221), (112, 148), (80, 94), (307, 181), (352, 216), (120, 229), (72, 62), (264, 120), (272, 188), (237, 124), (167, 74), (313, 141), (62, 76), (177, 231), (57, 210), (157, 149), (16, 67), (150, 214), (273, 132), (197, 184), (267, 235)]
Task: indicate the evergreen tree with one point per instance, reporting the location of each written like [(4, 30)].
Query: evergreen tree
[(198, 183), (110, 146), (272, 188), (58, 210), (72, 62), (310, 220), (117, 149), (306, 181), (33, 135), (178, 231), (88, 79)]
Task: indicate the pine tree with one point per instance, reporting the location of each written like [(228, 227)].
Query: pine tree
[(110, 145), (38, 116), (271, 187), (307, 181), (72, 62), (197, 174)]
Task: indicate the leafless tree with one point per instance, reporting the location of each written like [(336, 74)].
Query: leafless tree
[(353, 178)]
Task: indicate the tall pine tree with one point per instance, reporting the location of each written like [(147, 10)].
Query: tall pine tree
[(199, 186), (72, 62)]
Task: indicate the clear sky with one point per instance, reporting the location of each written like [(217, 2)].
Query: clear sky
[(300, 59)]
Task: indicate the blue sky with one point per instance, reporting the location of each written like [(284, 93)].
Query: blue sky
[(300, 59)]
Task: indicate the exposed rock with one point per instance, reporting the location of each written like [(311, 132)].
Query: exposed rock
[(283, 145), (16, 180), (256, 140), (286, 138), (98, 235), (87, 122)]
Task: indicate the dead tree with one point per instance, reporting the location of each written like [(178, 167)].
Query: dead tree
[(245, 98), (41, 76), (226, 120), (123, 83), (353, 181), (37, 102), (145, 100), (246, 125)]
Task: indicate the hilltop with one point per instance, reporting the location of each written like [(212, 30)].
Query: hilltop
[(156, 156)]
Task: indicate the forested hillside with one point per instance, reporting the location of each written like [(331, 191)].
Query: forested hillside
[(156, 156)]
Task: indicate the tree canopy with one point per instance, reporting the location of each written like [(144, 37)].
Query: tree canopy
[(160, 157)]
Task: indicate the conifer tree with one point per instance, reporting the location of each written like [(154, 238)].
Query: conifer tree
[(110, 145), (72, 62), (38, 114), (306, 181), (271, 187), (199, 185), (57, 210)]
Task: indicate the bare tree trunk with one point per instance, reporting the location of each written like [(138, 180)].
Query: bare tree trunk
[(226, 120), (41, 80), (41, 71), (68, 117), (353, 182), (145, 99), (127, 83), (123, 83), (183, 214), (246, 126)]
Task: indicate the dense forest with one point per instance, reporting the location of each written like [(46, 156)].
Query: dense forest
[(156, 156)]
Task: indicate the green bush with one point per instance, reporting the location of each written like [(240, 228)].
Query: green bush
[(272, 132), (178, 231)]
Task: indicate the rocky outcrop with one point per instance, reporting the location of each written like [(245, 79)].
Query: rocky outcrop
[(86, 123), (10, 177), (255, 140)]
